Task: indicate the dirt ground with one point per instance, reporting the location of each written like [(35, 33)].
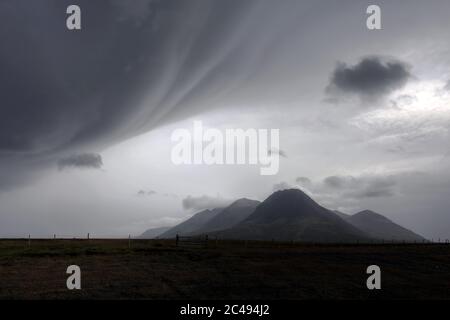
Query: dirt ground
[(156, 269)]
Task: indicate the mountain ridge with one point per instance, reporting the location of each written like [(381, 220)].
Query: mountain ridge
[(288, 215), (292, 215)]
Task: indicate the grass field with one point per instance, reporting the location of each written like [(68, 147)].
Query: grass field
[(156, 269)]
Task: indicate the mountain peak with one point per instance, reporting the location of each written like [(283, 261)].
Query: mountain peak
[(369, 214), (297, 193), (244, 202), (380, 227), (289, 204), (292, 215)]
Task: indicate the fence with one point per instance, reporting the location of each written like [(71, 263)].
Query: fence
[(200, 241)]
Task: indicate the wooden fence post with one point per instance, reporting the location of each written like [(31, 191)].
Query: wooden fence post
[(29, 240), (177, 238), (129, 241)]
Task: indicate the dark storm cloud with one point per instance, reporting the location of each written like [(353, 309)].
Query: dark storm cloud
[(204, 202), (131, 68), (372, 77), (362, 187), (82, 161)]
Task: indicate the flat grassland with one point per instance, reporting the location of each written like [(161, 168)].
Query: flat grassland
[(157, 269)]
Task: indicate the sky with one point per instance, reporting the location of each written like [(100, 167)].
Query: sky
[(87, 115)]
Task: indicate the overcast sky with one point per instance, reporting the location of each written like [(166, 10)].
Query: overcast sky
[(87, 116)]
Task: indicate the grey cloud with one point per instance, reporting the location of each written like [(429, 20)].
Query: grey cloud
[(304, 182), (363, 186), (204, 202), (146, 193), (84, 160), (404, 99), (334, 181), (447, 86), (372, 77), (281, 153), (170, 195), (121, 75), (281, 186)]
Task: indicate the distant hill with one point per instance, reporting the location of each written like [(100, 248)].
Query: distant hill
[(380, 227), (192, 224), (153, 233), (292, 215), (230, 216)]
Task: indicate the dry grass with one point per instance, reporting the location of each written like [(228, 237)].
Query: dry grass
[(224, 270)]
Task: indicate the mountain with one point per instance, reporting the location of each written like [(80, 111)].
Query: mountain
[(341, 214), (292, 215), (230, 216), (380, 227), (153, 233), (192, 224)]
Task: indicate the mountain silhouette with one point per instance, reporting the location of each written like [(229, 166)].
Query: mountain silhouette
[(153, 233), (293, 215), (192, 224), (290, 215), (341, 214), (380, 227), (230, 216)]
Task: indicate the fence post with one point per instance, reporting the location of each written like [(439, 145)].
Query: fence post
[(129, 241), (88, 235), (177, 238), (54, 236), (29, 240)]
